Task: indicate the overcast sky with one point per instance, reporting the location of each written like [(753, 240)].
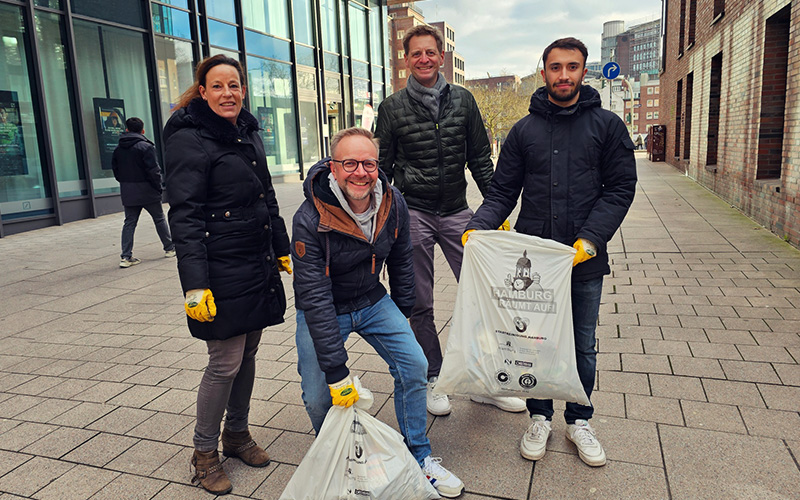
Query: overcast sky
[(508, 36)]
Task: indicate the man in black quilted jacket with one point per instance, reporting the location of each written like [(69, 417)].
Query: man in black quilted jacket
[(136, 169), (428, 133)]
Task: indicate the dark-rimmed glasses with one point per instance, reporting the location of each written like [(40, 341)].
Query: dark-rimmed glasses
[(350, 165)]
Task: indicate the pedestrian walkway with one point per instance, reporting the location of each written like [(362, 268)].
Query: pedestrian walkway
[(698, 387)]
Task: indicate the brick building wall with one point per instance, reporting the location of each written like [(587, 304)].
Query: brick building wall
[(737, 146)]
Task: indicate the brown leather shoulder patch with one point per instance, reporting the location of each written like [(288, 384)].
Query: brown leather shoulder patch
[(300, 249)]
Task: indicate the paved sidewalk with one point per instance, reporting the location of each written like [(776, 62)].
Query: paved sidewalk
[(698, 387)]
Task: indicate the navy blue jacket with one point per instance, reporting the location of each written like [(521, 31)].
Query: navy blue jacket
[(576, 171), (136, 169), (337, 271), (224, 219)]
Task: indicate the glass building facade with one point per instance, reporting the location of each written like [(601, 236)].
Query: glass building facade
[(72, 72)]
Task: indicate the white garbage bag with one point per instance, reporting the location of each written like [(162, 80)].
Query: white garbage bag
[(511, 333), (358, 457)]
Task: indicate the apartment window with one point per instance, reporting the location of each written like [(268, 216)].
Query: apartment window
[(687, 120), (692, 22), (401, 54), (719, 8), (656, 91), (773, 95), (655, 115), (649, 90), (401, 34), (682, 30), (649, 103), (655, 102), (678, 117), (714, 93), (649, 116), (401, 73)]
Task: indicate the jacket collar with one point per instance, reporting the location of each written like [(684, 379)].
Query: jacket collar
[(540, 103)]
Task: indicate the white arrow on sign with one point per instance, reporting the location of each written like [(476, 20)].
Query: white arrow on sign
[(612, 69)]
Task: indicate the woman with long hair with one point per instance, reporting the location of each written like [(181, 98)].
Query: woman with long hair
[(231, 243)]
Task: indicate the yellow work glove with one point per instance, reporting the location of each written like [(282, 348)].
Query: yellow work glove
[(505, 226), (465, 237), (200, 305), (586, 250), (344, 393), (285, 264)]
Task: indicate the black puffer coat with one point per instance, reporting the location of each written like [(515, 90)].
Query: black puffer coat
[(337, 271), (136, 169), (224, 219), (426, 159), (576, 170)]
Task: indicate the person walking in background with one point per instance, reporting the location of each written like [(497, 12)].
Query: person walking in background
[(136, 169), (231, 243), (351, 224), (573, 163), (427, 133)]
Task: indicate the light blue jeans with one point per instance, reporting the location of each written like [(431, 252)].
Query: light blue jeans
[(385, 328)]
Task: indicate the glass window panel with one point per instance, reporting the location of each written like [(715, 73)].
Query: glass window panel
[(303, 30), (222, 34), (230, 53), (333, 86), (360, 69), (118, 11), (60, 104), (53, 4), (271, 97), (330, 39), (267, 46), (176, 3), (24, 189), (377, 74), (174, 65), (358, 33), (305, 55), (221, 9), (331, 62), (269, 16), (171, 21), (376, 35), (361, 97), (113, 80), (344, 36), (309, 133), (378, 95), (346, 66), (306, 80)]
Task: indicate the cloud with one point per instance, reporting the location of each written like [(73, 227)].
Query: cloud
[(510, 35)]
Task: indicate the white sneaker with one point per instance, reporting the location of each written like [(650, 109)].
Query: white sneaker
[(130, 261), (513, 405), (169, 253), (437, 404), (445, 482), (589, 448), (534, 442)]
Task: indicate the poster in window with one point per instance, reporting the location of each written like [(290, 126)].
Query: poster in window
[(12, 143), (110, 117), (266, 121)]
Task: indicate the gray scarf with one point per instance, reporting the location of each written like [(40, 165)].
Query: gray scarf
[(366, 220), (429, 97)]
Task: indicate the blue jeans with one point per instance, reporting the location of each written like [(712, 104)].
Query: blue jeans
[(129, 227), (585, 308), (385, 328)]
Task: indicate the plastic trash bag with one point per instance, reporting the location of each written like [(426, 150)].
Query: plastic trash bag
[(511, 333), (358, 457)]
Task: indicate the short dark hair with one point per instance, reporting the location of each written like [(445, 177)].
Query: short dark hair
[(423, 30), (135, 125), (568, 43)]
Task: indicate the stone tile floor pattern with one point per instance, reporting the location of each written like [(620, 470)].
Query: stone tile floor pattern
[(697, 394)]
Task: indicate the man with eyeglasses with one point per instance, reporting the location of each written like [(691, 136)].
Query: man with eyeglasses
[(351, 224), (428, 132)]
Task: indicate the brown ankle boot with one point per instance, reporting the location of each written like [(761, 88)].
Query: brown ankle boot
[(241, 445), (209, 473)]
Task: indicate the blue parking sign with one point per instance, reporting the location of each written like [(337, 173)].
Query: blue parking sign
[(611, 70)]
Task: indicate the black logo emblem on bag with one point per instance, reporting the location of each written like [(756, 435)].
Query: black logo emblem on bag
[(527, 381), (359, 451), (502, 377), (521, 324)]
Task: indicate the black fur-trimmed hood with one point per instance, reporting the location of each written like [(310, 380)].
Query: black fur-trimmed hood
[(200, 116)]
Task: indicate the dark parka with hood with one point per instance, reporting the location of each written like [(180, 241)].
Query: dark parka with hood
[(224, 219), (425, 158), (337, 271), (136, 169), (576, 171)]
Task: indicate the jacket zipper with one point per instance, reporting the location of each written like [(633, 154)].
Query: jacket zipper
[(441, 168)]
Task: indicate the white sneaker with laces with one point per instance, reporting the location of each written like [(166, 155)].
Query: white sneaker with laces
[(437, 404), (512, 405), (589, 448), (130, 261), (445, 482), (169, 253), (534, 442)]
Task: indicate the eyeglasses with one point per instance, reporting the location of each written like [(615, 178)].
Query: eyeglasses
[(351, 166)]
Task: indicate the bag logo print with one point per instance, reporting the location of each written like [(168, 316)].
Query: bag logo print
[(523, 292)]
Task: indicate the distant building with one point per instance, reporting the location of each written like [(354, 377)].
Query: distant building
[(730, 100), (608, 42), (453, 67), (638, 49), (506, 82), (402, 17)]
